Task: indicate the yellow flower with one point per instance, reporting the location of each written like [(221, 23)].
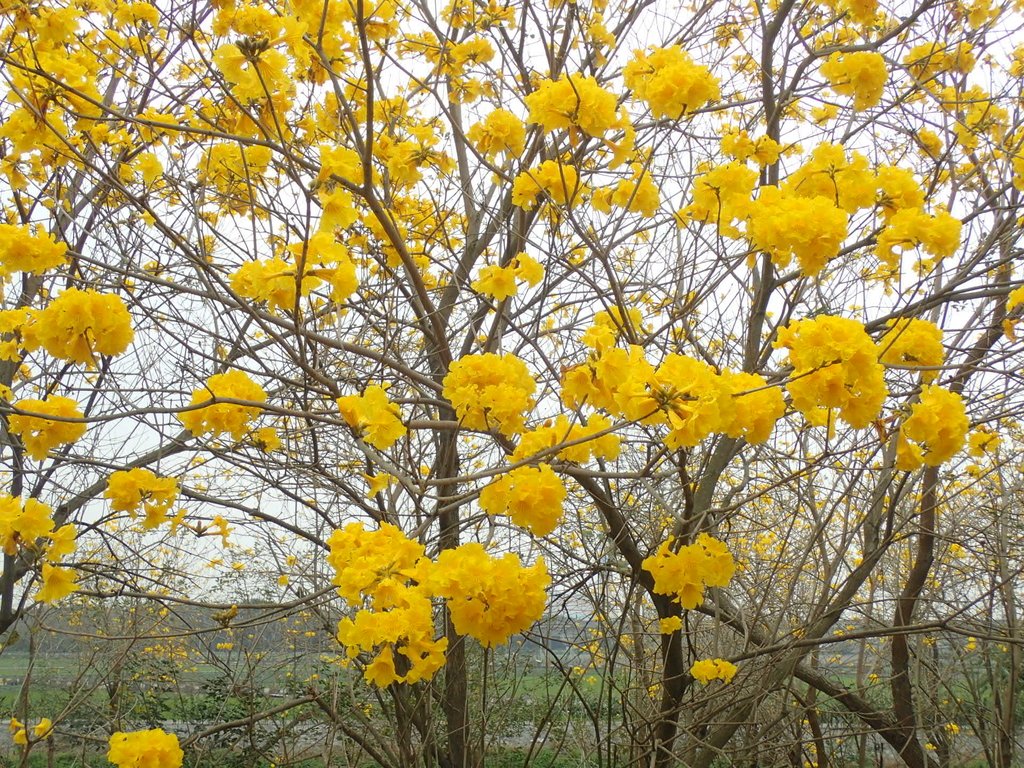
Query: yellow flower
[(376, 418), (738, 145), (558, 181), (43, 729), (898, 189), (128, 490), (908, 228), (846, 182), (861, 74), (377, 483), (62, 543), (755, 409), (835, 366), (497, 282), (18, 733), (490, 391), (389, 570), (685, 393), (670, 82), (500, 131), (23, 251), (686, 571), (576, 442), (706, 670), (531, 496), (273, 281), (638, 194), (267, 439), (41, 434), (21, 524), (573, 101), (78, 325), (935, 430), (721, 196), (224, 417), (58, 583), (783, 225), (983, 440), (145, 749), (913, 343), (670, 625), (528, 269), (490, 598)]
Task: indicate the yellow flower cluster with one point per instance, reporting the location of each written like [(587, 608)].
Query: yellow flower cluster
[(861, 74), (686, 571), (786, 225), (277, 281), (388, 579), (490, 598), (983, 441), (845, 181), (706, 670), (490, 391), (908, 228), (1013, 300), (531, 496), (586, 443), (385, 568), (637, 194), (127, 490), (40, 731), (500, 282), (898, 189), (721, 196), (685, 394), (835, 366), (23, 251), (224, 417), (145, 749), (694, 401), (670, 625), (25, 526), (925, 60), (22, 524), (378, 420), (669, 81), (453, 60), (57, 584), (862, 11), (573, 102), (594, 382), (41, 434), (500, 131), (255, 70), (610, 325), (913, 343), (559, 182), (738, 145), (272, 280), (755, 406), (935, 430), (977, 115), (11, 322), (78, 325), (371, 563)]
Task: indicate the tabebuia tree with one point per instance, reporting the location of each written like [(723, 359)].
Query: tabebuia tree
[(629, 383)]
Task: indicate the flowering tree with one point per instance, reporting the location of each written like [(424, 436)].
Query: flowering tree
[(668, 322)]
